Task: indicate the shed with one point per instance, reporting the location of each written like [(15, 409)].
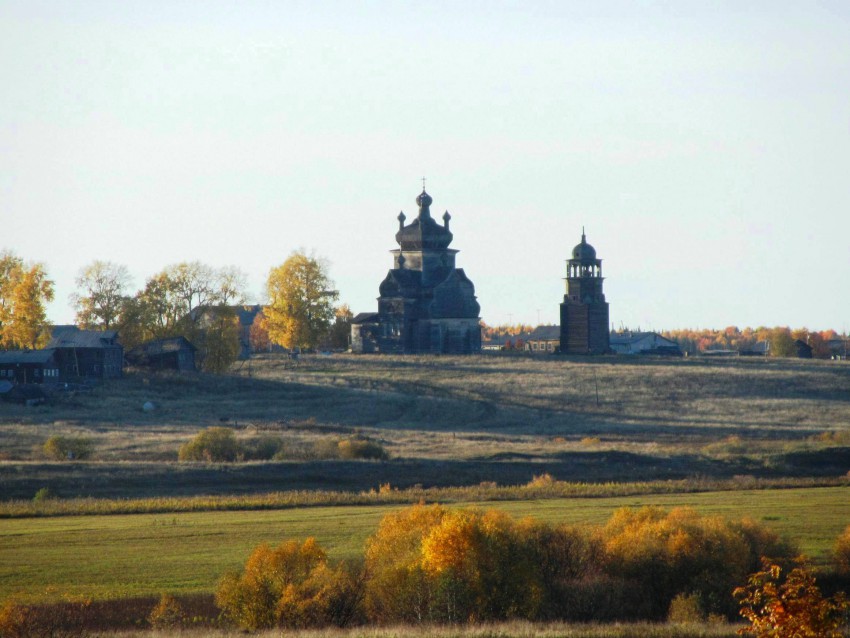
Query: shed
[(175, 353)]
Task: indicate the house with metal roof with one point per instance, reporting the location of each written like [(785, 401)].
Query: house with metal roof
[(544, 339)]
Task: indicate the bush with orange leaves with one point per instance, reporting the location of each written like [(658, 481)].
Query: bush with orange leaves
[(663, 554), (431, 564), (291, 586), (842, 552), (777, 607)]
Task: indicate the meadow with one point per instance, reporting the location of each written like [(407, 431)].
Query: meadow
[(126, 556)]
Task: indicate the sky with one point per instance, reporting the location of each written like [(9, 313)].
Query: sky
[(704, 146)]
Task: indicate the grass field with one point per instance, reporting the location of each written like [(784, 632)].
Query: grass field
[(445, 421), (138, 555)]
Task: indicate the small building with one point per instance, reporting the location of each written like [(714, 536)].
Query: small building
[(87, 354), (544, 339), (246, 314), (758, 349), (29, 366), (643, 343), (803, 349), (175, 353)]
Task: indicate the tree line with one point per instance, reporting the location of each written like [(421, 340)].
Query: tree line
[(188, 299)]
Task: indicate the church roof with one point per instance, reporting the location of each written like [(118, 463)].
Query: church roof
[(424, 233), (584, 252)]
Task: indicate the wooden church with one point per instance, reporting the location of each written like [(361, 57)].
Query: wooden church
[(426, 304)]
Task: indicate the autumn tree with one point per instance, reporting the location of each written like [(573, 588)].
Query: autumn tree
[(301, 297), (340, 333), (667, 553), (778, 606), (259, 334), (217, 338), (191, 300), (103, 291), (842, 552), (24, 291), (293, 586)]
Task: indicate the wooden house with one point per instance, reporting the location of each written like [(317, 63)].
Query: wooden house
[(87, 354), (544, 339), (176, 353), (29, 366), (643, 343)]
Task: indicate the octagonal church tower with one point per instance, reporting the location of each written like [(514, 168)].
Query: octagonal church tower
[(584, 313), (427, 305)]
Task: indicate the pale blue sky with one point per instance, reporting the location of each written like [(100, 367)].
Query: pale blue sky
[(704, 145)]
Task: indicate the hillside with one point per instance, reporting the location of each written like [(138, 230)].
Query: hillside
[(444, 421)]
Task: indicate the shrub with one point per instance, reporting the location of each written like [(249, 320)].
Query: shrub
[(167, 614), (63, 448), (292, 586), (354, 447), (429, 564), (792, 606), (685, 608), (359, 447), (263, 448), (842, 552), (664, 554), (44, 494), (212, 444)]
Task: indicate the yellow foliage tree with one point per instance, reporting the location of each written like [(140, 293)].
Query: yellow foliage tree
[(301, 297), (24, 291), (842, 552)]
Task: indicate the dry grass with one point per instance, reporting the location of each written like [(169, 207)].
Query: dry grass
[(501, 630), (662, 418)]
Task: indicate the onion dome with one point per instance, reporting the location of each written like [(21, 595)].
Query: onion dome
[(584, 252), (423, 233)]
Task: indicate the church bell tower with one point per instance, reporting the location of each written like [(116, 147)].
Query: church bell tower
[(584, 313)]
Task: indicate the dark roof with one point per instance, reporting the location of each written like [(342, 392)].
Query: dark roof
[(423, 232), (26, 356), (365, 317), (73, 337), (545, 333), (584, 252), (632, 337)]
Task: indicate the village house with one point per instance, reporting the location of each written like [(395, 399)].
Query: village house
[(544, 339), (175, 353), (643, 343), (29, 366), (86, 354)]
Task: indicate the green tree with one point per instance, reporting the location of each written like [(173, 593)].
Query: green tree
[(102, 296), (217, 338), (24, 291), (300, 307)]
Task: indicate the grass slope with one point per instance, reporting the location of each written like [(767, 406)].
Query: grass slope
[(446, 420), (139, 555)]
